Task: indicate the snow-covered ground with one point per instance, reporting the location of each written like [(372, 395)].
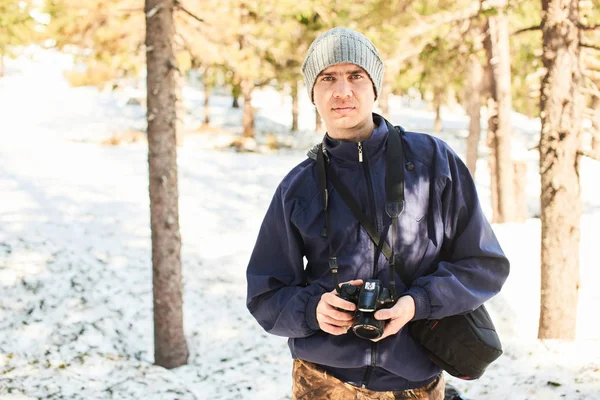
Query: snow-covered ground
[(75, 271)]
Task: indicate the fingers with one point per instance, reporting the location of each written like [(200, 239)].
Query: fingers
[(335, 301), (356, 282), (328, 313), (391, 328), (329, 316), (334, 314), (335, 322), (397, 316), (403, 309), (384, 314), (332, 325), (334, 330)]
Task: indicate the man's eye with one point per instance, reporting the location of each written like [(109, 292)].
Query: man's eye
[(356, 76), (328, 78)]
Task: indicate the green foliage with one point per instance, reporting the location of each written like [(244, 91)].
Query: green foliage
[(424, 44), (105, 36), (525, 52), (17, 27)]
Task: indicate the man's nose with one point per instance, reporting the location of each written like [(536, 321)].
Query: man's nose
[(342, 88)]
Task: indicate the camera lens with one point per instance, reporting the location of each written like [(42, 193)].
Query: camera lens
[(367, 327)]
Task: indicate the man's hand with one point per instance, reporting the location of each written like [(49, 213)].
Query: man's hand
[(330, 318), (398, 316)]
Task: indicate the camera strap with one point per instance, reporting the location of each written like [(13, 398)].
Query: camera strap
[(394, 205)]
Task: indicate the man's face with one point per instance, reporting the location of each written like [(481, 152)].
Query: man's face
[(344, 97)]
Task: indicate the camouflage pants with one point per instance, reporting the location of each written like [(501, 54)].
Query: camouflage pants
[(312, 383)]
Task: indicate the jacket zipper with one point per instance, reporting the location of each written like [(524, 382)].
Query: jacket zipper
[(360, 153), (371, 195)]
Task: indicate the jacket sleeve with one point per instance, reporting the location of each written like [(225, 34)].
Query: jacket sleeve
[(278, 297), (473, 267)]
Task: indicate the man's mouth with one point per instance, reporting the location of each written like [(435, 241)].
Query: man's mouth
[(343, 110)]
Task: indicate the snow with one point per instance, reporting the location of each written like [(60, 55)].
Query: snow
[(75, 268)]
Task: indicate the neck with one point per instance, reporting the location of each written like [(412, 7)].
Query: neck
[(358, 133)]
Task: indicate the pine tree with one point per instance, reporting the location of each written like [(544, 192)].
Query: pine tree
[(499, 129), (561, 104), (170, 348)]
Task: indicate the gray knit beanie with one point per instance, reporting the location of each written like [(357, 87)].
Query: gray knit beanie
[(337, 46)]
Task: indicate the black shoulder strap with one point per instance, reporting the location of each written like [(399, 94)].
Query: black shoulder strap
[(362, 218), (394, 186), (394, 178), (394, 182)]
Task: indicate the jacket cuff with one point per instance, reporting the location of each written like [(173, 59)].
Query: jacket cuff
[(422, 303), (311, 311)]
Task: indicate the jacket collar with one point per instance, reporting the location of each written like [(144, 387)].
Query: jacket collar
[(348, 151)]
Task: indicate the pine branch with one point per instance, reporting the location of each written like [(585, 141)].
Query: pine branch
[(180, 6), (531, 28)]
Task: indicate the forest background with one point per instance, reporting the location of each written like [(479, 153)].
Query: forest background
[(486, 59)]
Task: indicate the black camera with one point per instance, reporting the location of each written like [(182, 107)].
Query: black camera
[(368, 298)]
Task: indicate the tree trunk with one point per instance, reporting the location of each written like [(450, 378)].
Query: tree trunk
[(520, 190), (248, 117), (170, 348), (437, 104), (498, 53), (236, 91), (318, 122), (1, 64), (282, 95), (473, 106), (295, 106), (491, 145), (383, 99), (596, 126), (207, 90), (180, 108), (561, 106)]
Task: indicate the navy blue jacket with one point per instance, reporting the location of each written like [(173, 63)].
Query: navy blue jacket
[(444, 241)]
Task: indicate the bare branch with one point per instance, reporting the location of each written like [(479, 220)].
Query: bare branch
[(594, 155), (588, 27), (589, 46), (590, 60), (531, 28), (172, 64), (426, 25), (591, 91), (592, 74), (182, 8), (156, 9), (446, 18), (129, 10)]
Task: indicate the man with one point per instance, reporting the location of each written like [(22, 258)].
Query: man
[(442, 239)]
